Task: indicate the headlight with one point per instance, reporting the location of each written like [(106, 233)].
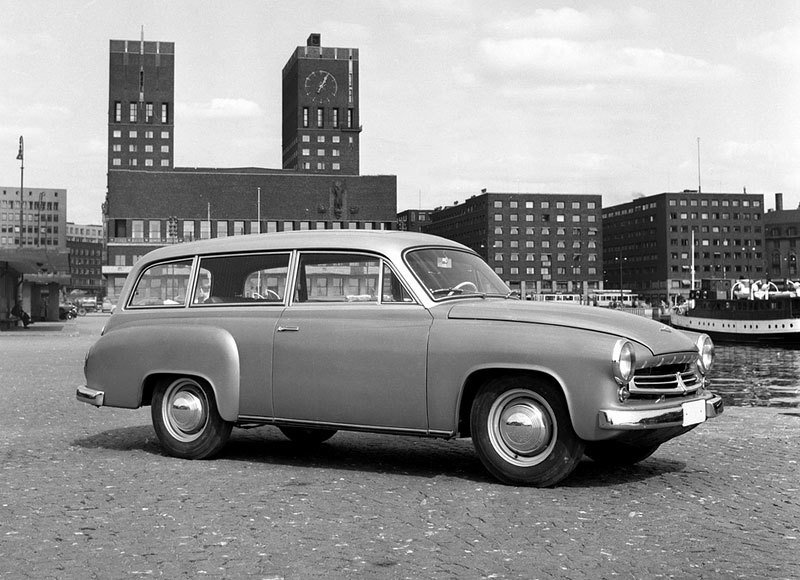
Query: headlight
[(705, 348), (623, 361)]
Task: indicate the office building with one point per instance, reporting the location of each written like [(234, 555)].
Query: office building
[(652, 244), (538, 243)]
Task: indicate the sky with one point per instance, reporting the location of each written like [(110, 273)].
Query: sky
[(602, 97)]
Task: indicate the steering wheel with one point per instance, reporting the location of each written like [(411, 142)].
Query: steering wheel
[(270, 295), (466, 285)]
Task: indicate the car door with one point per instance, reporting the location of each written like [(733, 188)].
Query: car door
[(351, 349)]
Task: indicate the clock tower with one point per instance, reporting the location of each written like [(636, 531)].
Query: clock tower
[(321, 122)]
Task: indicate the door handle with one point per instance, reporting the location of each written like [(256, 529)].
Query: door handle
[(288, 328)]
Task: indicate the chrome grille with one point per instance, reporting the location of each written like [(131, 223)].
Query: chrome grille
[(667, 380)]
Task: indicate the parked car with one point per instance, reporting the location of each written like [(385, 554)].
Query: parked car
[(67, 311), (107, 305), (389, 332)]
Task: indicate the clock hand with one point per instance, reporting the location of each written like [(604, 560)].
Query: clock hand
[(322, 84)]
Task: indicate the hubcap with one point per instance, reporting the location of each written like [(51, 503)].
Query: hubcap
[(522, 427), (185, 410)]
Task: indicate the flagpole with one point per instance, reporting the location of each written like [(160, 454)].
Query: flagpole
[(21, 157)]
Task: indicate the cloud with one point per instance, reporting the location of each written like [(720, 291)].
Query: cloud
[(220, 109), (567, 60), (781, 46), (570, 23)]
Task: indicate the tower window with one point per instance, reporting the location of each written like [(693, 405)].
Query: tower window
[(349, 118), (335, 112), (132, 112), (305, 117), (165, 113), (148, 112), (117, 112), (320, 117)]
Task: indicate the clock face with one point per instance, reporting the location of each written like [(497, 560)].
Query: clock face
[(321, 86)]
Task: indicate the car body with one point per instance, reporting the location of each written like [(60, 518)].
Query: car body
[(67, 311), (107, 305), (389, 332)]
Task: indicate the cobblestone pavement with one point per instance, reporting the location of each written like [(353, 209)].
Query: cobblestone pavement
[(87, 493)]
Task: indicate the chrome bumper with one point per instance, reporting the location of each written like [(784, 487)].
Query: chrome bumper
[(87, 395), (631, 419)]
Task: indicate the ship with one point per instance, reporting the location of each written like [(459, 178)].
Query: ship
[(750, 311)]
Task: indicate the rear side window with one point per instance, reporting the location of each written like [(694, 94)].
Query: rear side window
[(163, 285), (246, 278)]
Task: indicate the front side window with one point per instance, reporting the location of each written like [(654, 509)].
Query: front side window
[(448, 272), (162, 285), (335, 277), (248, 279)]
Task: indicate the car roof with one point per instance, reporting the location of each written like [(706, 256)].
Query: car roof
[(382, 241)]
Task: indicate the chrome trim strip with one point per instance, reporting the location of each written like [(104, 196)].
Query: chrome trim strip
[(279, 421), (633, 419), (86, 395)]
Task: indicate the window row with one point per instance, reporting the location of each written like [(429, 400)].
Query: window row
[(715, 216), (576, 244), (530, 257), (321, 166), (262, 280), (332, 116), (545, 217), (545, 272), (133, 134), (117, 162), (32, 205), (715, 203), (146, 112), (547, 204), (163, 230)]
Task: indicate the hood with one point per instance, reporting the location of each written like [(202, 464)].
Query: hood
[(658, 337)]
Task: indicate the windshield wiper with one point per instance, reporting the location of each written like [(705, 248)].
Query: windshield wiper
[(456, 292)]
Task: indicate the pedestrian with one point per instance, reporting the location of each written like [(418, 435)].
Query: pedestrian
[(21, 314)]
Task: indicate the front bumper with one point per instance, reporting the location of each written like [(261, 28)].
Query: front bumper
[(672, 416), (90, 396)]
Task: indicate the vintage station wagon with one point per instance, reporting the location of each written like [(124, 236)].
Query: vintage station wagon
[(389, 332)]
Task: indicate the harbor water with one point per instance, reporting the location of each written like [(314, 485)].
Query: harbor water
[(757, 376)]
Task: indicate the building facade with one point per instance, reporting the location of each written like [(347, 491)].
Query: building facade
[(539, 243), (150, 203), (782, 242), (321, 121), (85, 245), (43, 217), (652, 243), (141, 104), (413, 220)]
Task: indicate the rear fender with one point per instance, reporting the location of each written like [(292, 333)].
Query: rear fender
[(120, 363)]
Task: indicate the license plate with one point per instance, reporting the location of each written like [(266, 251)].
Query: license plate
[(694, 412)]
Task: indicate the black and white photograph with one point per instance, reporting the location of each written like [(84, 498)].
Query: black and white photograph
[(399, 289)]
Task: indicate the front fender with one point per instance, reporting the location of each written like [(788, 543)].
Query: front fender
[(121, 361)]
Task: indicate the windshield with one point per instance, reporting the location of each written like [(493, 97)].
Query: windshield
[(446, 272)]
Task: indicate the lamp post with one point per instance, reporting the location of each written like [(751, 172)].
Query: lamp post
[(21, 156)]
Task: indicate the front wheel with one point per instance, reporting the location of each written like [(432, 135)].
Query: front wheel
[(619, 454), (522, 432), (186, 419)]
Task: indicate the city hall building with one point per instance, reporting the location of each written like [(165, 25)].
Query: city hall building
[(150, 203)]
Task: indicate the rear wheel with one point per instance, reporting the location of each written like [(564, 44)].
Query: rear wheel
[(522, 432), (615, 453), (186, 419), (307, 437)]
